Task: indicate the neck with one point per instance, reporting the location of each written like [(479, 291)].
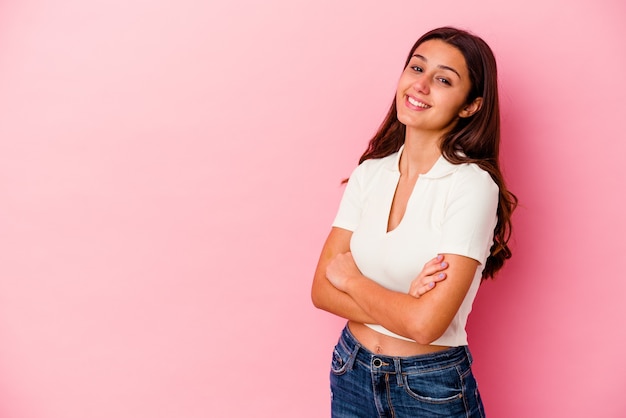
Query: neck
[(420, 153)]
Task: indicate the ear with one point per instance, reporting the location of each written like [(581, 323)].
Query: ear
[(471, 108)]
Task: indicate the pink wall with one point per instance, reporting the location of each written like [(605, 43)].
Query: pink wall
[(169, 170)]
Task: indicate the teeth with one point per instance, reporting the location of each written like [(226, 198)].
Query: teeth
[(418, 104)]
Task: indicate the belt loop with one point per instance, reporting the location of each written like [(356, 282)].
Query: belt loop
[(469, 355), (396, 363), (352, 358)]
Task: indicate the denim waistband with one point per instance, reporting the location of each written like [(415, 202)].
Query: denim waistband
[(422, 363)]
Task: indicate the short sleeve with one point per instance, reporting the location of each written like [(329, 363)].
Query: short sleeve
[(470, 214), (351, 205)]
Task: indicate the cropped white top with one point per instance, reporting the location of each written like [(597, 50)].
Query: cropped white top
[(452, 210)]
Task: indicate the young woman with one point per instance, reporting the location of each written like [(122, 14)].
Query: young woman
[(427, 189)]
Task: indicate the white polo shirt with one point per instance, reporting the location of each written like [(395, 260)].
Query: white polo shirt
[(452, 210)]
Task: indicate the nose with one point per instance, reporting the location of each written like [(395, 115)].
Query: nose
[(422, 85)]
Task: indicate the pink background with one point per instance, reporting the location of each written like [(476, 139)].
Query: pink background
[(169, 171)]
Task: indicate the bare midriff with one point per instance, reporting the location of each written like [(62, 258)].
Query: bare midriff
[(389, 346)]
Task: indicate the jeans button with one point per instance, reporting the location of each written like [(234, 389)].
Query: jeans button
[(377, 362)]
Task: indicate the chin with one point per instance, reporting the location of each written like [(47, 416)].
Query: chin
[(406, 121)]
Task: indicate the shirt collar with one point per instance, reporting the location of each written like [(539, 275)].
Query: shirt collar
[(441, 168)]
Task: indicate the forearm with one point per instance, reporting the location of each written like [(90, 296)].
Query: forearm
[(328, 298), (422, 319), (397, 312)]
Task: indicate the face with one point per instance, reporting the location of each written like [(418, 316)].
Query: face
[(433, 89)]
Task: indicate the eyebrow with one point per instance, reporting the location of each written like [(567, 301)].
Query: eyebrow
[(443, 67)]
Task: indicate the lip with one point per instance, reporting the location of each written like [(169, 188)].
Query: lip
[(421, 104)]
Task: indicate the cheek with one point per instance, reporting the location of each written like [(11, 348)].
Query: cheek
[(400, 90), (456, 103), (404, 83), (399, 99)]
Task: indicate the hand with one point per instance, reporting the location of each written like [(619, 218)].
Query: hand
[(341, 269), (429, 276)]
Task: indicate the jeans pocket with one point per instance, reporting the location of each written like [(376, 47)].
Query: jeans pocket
[(436, 387), (340, 360)]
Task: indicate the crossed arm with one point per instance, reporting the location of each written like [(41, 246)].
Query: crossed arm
[(423, 314)]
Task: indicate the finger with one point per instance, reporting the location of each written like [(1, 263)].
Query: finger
[(414, 290), (435, 265), (438, 277), (419, 287), (427, 283), (424, 280), (429, 272), (420, 291)]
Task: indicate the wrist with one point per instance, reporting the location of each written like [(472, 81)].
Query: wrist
[(352, 282)]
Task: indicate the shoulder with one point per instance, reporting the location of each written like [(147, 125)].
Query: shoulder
[(473, 190), (389, 162), (464, 177), (374, 167), (470, 176)]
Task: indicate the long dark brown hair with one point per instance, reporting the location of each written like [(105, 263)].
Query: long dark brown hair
[(477, 136)]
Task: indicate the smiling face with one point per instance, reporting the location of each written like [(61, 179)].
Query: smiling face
[(433, 89)]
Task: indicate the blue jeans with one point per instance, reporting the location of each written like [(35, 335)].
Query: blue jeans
[(368, 385)]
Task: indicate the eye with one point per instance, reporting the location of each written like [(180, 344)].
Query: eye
[(417, 69), (444, 81)]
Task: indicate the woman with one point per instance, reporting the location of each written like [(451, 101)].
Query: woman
[(427, 188)]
